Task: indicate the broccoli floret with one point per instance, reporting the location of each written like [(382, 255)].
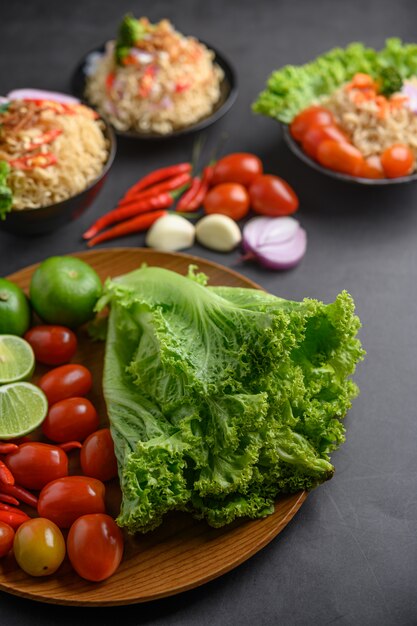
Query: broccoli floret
[(390, 81)]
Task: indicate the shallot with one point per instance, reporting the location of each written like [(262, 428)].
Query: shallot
[(41, 94), (277, 243)]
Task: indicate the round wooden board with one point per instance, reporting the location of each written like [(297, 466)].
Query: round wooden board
[(182, 553)]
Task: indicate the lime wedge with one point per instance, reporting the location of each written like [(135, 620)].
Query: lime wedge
[(23, 407), (17, 360)]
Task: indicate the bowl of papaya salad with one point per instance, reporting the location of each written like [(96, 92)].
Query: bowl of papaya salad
[(55, 154), (351, 113), (152, 81)]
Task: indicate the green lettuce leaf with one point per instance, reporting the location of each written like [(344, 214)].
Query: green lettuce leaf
[(219, 398)]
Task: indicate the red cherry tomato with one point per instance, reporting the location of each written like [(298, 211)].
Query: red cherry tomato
[(66, 381), (35, 464), (312, 116), (240, 167), (64, 500), (6, 538), (372, 168), (316, 134), (95, 546), (397, 160), (97, 456), (272, 196), (340, 157), (70, 419), (52, 345), (229, 199)]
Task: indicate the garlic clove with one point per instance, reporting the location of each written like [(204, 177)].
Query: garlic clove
[(218, 232), (171, 232)]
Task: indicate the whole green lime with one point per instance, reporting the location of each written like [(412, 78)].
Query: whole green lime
[(64, 290), (14, 309)]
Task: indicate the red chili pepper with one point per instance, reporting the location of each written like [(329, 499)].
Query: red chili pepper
[(135, 225), (70, 445), (6, 507), (182, 86), (6, 448), (161, 201), (5, 474), (13, 518), (29, 162), (159, 175), (188, 196), (9, 499), (45, 138), (147, 81), (171, 184), (20, 493), (197, 201), (110, 80)]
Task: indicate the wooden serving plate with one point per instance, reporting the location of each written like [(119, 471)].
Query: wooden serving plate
[(182, 553)]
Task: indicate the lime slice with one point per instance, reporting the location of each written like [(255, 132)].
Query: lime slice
[(17, 360), (23, 407)]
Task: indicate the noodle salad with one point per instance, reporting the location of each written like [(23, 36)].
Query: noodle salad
[(49, 151), (153, 78)]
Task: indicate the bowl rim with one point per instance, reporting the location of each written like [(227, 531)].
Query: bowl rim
[(78, 82), (111, 136), (370, 182)]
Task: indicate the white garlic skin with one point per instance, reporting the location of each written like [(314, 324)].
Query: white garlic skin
[(218, 232), (171, 232)]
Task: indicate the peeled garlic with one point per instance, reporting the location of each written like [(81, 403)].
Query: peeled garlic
[(171, 232), (218, 232)]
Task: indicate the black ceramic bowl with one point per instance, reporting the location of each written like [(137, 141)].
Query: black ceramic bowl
[(46, 219), (373, 182), (228, 94)]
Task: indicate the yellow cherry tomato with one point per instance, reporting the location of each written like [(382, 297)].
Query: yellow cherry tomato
[(39, 547)]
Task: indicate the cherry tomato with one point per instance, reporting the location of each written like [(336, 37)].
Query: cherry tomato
[(66, 381), (316, 134), (70, 419), (36, 464), (39, 547), (272, 196), (340, 157), (372, 168), (240, 167), (229, 199), (314, 115), (66, 499), (52, 345), (6, 538), (95, 546), (97, 456), (397, 160)]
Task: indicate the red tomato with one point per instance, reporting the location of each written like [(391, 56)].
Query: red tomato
[(36, 464), (372, 168), (316, 134), (52, 345), (272, 196), (70, 419), (95, 546), (240, 167), (6, 538), (64, 500), (66, 381), (97, 456), (229, 199), (312, 116), (340, 157), (397, 160)]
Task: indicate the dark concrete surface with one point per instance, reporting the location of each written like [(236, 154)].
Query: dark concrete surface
[(349, 557)]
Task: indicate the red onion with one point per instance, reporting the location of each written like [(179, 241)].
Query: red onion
[(275, 242), (41, 94)]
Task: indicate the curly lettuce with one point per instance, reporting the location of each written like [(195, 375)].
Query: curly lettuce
[(293, 88), (221, 398)]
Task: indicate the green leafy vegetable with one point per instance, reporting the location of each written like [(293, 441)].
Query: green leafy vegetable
[(293, 88), (130, 31), (390, 81), (6, 195), (222, 398)]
